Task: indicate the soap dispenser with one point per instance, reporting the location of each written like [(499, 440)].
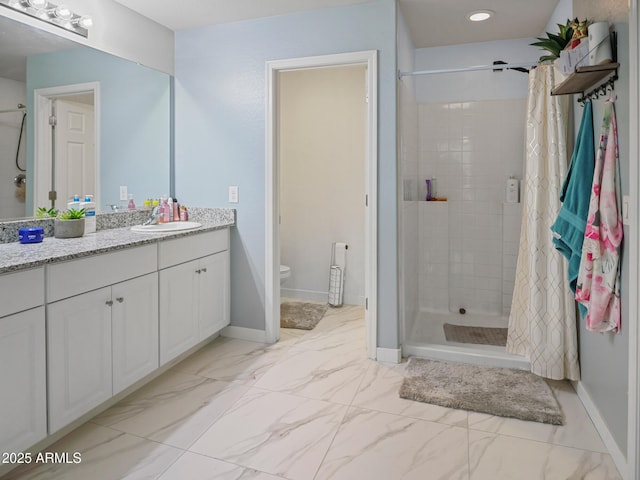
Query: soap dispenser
[(74, 203), (89, 214)]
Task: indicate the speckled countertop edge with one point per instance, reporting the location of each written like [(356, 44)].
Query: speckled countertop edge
[(16, 256)]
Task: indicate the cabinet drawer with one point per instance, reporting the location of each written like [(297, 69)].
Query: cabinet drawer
[(180, 250), (77, 276), (21, 291)]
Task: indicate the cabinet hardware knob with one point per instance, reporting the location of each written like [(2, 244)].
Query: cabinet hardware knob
[(204, 270), (198, 271), (109, 303), (120, 299)]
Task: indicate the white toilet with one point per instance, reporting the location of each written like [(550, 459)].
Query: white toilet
[(285, 272)]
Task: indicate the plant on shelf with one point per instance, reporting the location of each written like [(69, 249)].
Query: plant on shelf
[(44, 212), (69, 224), (555, 43)]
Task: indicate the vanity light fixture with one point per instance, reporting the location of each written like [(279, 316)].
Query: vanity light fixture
[(59, 15), (480, 15)]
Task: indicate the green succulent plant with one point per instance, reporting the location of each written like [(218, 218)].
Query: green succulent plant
[(44, 212), (72, 214), (555, 43)]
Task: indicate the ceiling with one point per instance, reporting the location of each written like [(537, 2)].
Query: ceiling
[(431, 22)]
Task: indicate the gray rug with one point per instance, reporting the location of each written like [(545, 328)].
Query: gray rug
[(497, 391), (301, 315), (475, 335)]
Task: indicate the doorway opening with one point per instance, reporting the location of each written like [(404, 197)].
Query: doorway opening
[(367, 60), (66, 146)]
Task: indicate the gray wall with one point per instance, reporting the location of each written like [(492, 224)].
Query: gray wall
[(604, 358)]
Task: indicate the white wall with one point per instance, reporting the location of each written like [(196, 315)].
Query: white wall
[(479, 85), (11, 93), (322, 178), (116, 30), (408, 176), (471, 148)]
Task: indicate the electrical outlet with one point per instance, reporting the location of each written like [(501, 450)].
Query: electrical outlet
[(123, 192), (233, 194)]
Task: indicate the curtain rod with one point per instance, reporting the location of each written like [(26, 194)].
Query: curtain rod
[(497, 66)]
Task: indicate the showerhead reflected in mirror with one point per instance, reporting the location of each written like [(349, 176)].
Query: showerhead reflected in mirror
[(131, 114)]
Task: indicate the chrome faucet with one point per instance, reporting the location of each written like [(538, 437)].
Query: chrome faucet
[(153, 218)]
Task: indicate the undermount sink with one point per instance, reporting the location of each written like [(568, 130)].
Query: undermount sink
[(166, 227)]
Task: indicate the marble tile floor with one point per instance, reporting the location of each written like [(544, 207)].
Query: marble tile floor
[(313, 407)]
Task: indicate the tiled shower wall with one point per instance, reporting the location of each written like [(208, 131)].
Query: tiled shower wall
[(468, 244)]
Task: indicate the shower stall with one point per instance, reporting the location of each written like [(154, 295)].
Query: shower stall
[(12, 158), (462, 129)]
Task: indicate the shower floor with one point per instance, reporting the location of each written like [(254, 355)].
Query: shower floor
[(426, 339)]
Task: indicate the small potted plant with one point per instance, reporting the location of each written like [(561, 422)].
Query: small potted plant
[(555, 43), (69, 224), (44, 212)]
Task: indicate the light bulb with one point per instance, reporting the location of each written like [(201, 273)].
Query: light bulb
[(85, 21), (63, 12), (37, 3)]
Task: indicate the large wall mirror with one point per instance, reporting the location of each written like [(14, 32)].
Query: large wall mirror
[(112, 129)]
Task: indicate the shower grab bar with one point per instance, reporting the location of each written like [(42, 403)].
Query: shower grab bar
[(14, 110)]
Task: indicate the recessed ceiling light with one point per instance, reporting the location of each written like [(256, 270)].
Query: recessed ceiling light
[(480, 15)]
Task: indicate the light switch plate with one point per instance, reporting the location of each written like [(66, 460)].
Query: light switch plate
[(123, 192), (625, 210), (233, 194)]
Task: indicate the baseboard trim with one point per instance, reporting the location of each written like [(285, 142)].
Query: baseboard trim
[(389, 355), (314, 296), (619, 458), (242, 333)]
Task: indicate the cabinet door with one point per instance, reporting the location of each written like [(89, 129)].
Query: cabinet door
[(79, 355), (134, 322), (23, 395), (214, 294), (178, 307)]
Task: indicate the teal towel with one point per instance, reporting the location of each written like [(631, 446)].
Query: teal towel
[(568, 229)]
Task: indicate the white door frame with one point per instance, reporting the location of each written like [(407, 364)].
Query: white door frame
[(633, 434), (272, 187), (42, 135)]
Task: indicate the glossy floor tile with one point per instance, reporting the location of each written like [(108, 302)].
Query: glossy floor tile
[(313, 407)]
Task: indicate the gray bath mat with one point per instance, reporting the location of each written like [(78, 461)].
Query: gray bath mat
[(497, 391), (302, 315), (476, 335)]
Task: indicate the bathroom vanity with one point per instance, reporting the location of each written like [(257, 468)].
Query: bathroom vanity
[(83, 320)]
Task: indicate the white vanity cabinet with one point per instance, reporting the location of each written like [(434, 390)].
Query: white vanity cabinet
[(79, 355), (134, 330), (23, 421), (102, 329), (194, 290)]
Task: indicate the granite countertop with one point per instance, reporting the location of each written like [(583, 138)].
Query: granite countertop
[(17, 256)]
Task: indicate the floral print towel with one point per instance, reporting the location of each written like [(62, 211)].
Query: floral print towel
[(598, 285)]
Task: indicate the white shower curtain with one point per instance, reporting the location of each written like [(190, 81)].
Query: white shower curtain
[(542, 323)]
